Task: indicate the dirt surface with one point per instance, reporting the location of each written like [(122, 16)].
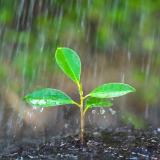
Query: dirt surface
[(120, 143)]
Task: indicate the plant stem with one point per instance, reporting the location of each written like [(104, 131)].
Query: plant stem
[(81, 114), (77, 104), (85, 110)]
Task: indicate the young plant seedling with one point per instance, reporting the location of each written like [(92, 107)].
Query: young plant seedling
[(69, 62)]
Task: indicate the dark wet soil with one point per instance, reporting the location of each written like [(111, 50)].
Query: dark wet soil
[(117, 144)]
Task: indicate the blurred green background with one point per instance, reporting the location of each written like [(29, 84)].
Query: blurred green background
[(118, 40)]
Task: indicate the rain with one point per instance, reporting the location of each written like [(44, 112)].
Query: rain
[(117, 41)]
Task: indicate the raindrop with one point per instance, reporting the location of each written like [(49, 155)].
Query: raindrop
[(129, 56), (147, 70), (89, 119), (102, 111), (148, 67), (158, 129), (122, 77), (93, 111), (30, 115), (41, 110), (19, 13), (146, 111), (77, 121), (66, 125), (20, 122), (113, 112)]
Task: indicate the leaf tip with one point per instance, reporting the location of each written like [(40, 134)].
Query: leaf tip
[(132, 89), (57, 49)]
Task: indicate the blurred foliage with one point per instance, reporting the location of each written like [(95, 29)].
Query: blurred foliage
[(104, 24), (130, 118), (148, 87), (3, 71), (31, 30)]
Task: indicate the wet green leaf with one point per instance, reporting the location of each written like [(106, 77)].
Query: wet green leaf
[(111, 90), (97, 102), (69, 62), (47, 98)]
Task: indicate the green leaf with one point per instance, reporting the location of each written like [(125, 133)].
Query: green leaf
[(48, 97), (97, 102), (111, 90), (69, 62)]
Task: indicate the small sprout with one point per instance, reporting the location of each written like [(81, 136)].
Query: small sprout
[(69, 62)]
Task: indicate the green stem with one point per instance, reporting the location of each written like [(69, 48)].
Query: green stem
[(77, 104), (81, 113), (85, 96), (85, 110)]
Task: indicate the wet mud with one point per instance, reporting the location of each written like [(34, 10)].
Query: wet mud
[(120, 143)]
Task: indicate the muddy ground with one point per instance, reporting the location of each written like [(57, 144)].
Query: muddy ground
[(120, 143)]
